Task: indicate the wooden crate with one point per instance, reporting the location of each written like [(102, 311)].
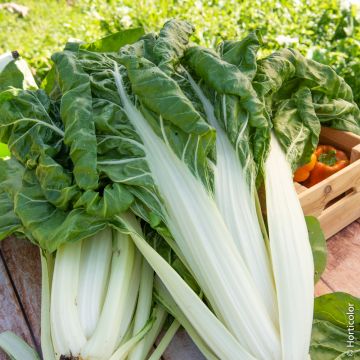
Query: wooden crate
[(335, 201)]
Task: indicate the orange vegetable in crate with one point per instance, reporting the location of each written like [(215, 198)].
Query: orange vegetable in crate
[(329, 161), (303, 172)]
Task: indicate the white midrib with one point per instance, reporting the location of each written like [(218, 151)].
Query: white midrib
[(227, 282)]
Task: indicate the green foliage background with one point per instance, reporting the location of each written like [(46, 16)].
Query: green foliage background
[(322, 29)]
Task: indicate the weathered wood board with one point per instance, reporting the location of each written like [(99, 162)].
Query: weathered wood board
[(11, 313)]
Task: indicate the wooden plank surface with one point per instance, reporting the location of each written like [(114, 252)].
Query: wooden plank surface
[(340, 214), (22, 260), (182, 344), (343, 270), (11, 314)]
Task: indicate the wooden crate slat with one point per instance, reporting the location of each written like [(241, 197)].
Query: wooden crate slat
[(314, 200), (23, 261), (355, 153), (299, 188), (340, 139), (11, 316), (340, 214), (335, 200), (343, 271)]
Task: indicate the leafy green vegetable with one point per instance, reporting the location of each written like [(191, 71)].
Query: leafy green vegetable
[(330, 342), (11, 173), (4, 151), (113, 42), (301, 95), (318, 246), (336, 308), (76, 113)]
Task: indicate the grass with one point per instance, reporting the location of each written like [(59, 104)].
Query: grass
[(320, 29), (50, 23)]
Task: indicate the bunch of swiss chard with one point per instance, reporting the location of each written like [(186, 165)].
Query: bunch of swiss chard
[(142, 154)]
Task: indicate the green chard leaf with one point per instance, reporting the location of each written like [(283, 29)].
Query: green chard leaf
[(300, 96), (242, 53), (76, 114), (11, 173), (50, 227), (171, 44), (318, 246), (336, 308), (113, 42), (226, 78), (329, 342), (27, 126), (236, 105), (17, 74)]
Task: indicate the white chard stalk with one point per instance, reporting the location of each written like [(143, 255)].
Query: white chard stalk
[(105, 338), (291, 255), (66, 330), (5, 59), (143, 308), (94, 273), (126, 326), (214, 333), (202, 236), (237, 206)]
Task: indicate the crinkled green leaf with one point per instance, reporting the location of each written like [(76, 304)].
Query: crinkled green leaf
[(56, 183), (114, 200), (329, 342), (162, 95), (171, 44), (236, 104), (167, 108), (49, 226), (242, 53), (113, 42), (31, 127), (226, 78), (300, 95), (298, 127), (76, 114), (50, 85), (336, 308), (339, 114), (11, 173), (27, 125), (318, 246)]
